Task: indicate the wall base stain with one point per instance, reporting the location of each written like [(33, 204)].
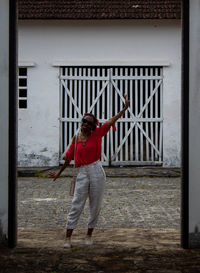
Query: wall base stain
[(3, 239), (37, 160), (194, 240)]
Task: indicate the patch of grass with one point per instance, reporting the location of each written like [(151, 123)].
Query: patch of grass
[(76, 249), (40, 174)]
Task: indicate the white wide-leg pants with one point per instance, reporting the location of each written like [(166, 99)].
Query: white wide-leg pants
[(90, 182)]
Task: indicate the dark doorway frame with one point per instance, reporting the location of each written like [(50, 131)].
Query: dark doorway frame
[(12, 157), (12, 211), (185, 127)]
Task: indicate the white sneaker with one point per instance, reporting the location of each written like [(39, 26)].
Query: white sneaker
[(68, 243), (88, 241)]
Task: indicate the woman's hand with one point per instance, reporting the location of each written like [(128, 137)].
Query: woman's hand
[(53, 175), (127, 102)]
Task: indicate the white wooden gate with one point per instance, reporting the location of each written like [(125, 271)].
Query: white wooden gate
[(99, 90)]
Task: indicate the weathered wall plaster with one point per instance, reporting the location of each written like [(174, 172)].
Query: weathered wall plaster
[(46, 42)]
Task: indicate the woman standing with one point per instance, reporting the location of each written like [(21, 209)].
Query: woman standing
[(86, 147)]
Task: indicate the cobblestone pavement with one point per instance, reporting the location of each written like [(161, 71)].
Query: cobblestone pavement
[(138, 231), (128, 203)]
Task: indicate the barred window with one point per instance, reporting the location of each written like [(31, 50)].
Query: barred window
[(22, 88)]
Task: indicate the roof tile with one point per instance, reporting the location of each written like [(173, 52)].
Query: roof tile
[(99, 9)]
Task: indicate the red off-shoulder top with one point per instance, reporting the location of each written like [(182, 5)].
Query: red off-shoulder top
[(89, 151)]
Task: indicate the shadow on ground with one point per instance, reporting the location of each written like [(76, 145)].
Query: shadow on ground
[(115, 250)]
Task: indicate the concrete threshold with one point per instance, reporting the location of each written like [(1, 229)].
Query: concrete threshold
[(152, 171)]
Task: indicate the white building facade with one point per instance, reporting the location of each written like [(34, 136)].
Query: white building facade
[(62, 62)]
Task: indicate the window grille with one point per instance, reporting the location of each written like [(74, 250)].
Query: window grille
[(22, 88)]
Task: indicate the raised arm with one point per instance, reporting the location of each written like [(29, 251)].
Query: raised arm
[(112, 120)]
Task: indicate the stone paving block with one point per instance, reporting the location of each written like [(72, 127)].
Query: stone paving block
[(128, 202)]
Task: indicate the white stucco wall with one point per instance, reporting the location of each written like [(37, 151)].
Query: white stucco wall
[(89, 42)]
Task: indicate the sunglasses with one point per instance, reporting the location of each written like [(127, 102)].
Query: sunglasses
[(84, 120)]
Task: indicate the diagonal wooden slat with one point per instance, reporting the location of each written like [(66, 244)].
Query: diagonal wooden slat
[(149, 140), (128, 133), (98, 96), (150, 98), (121, 96), (72, 100), (123, 141), (136, 123), (99, 90)]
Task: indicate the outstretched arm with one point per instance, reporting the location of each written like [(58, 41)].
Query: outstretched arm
[(112, 120), (55, 175)]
